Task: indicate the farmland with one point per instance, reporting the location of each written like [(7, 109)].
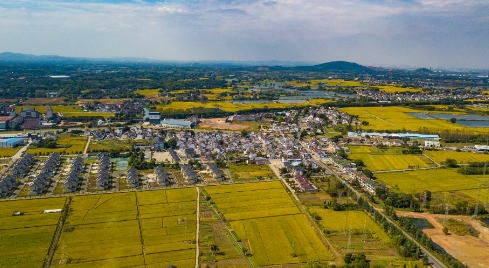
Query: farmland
[(434, 180), (391, 161), (98, 146), (66, 145), (270, 224), (461, 157), (249, 172), (67, 111), (148, 92), (93, 238), (396, 118), (355, 219), (8, 152), (25, 239)]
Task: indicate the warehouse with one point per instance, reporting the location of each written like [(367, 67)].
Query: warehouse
[(11, 143), (177, 123)]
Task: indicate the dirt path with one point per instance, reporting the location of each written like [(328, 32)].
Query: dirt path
[(87, 144), (467, 249)]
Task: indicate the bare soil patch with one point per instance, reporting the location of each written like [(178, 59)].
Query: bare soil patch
[(220, 123), (467, 249)]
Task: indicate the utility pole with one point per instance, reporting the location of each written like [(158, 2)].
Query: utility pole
[(349, 239), (477, 203)]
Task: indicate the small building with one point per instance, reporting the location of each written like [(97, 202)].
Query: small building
[(189, 174), (5, 121), (49, 112), (53, 94), (217, 173), (431, 144), (159, 143), (28, 112), (154, 117), (190, 152)]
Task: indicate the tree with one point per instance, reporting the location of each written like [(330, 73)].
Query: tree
[(244, 133), (172, 143), (453, 120), (445, 230), (214, 249), (359, 162), (451, 162), (283, 170), (425, 260)]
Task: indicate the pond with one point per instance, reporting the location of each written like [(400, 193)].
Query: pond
[(459, 117), (291, 101), (309, 94), (474, 123), (421, 115), (251, 101), (486, 221), (423, 223)]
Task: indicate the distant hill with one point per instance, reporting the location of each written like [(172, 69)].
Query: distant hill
[(342, 66), (422, 70), (10, 57)]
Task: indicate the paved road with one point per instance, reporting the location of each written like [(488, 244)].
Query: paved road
[(433, 261), (229, 175), (52, 187), (85, 180)]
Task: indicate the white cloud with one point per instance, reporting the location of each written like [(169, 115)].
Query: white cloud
[(240, 30)]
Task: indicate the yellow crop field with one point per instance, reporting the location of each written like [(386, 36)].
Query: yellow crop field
[(265, 215), (337, 221), (396, 88), (67, 111), (434, 180), (461, 157), (8, 152), (25, 239), (148, 92), (396, 118), (103, 230), (391, 161)]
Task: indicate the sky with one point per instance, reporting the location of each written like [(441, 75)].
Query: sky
[(403, 33)]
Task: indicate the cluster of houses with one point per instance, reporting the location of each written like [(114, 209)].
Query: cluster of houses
[(256, 145), (217, 173), (41, 179), (297, 172), (132, 178), (162, 177), (189, 174), (382, 96), (22, 166), (28, 118), (73, 177), (6, 184), (127, 107), (136, 132), (103, 173)]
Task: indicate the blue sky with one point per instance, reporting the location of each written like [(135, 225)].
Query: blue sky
[(416, 33)]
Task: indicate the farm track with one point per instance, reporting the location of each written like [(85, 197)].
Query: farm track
[(432, 159), (379, 118), (141, 229), (197, 232)]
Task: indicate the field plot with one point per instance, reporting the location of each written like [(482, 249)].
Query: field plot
[(270, 224), (148, 92), (461, 157), (250, 172), (98, 146), (337, 221), (8, 152), (169, 226), (66, 145), (104, 231), (434, 180), (392, 162), (25, 239), (67, 111), (396, 118)]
